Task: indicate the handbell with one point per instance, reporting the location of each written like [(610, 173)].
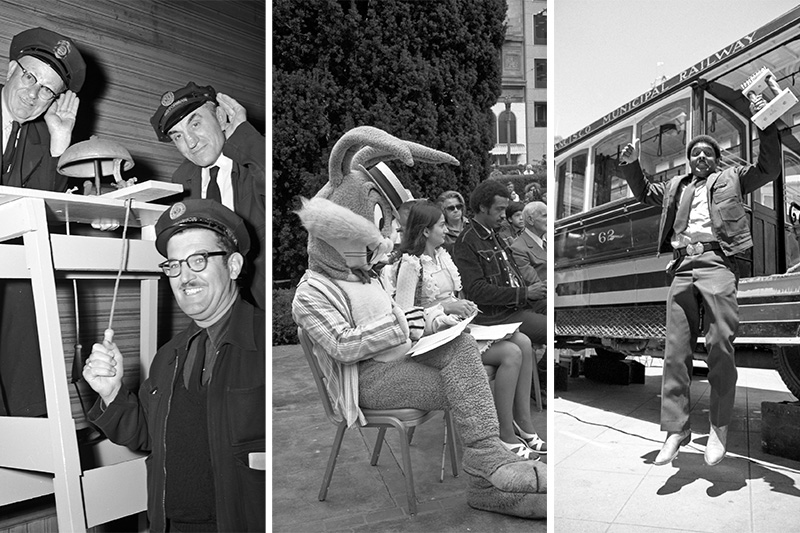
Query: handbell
[(779, 101)]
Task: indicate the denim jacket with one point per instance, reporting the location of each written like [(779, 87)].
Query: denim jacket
[(726, 190), (486, 266)]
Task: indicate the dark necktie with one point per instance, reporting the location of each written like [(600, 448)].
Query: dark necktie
[(212, 192), (682, 216), (8, 153)]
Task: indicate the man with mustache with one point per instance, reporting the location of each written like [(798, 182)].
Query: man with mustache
[(201, 412)]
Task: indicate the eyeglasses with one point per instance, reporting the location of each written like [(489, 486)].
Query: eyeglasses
[(196, 262), (451, 208), (29, 80)]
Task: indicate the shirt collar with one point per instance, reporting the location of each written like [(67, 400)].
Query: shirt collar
[(538, 240), (478, 226), (224, 163)]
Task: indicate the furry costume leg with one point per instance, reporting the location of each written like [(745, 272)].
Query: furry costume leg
[(500, 481)]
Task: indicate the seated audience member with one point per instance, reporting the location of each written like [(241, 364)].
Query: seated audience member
[(201, 411), (533, 193), (512, 195), (427, 277), (530, 248), (452, 203), (489, 276), (514, 224)]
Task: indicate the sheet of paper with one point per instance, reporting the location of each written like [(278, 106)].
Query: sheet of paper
[(493, 333), (429, 342)]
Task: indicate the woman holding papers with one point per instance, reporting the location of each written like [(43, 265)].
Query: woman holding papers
[(426, 276)]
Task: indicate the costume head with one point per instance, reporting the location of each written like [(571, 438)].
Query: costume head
[(57, 51), (349, 221)]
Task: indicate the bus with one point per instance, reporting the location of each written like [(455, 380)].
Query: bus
[(610, 285)]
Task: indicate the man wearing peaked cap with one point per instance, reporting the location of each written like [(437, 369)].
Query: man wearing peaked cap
[(201, 412), (38, 106), (225, 161), (206, 214)]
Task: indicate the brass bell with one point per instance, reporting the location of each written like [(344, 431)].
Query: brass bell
[(96, 158)]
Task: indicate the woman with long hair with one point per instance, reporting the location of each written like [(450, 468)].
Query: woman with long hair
[(452, 204), (426, 276)]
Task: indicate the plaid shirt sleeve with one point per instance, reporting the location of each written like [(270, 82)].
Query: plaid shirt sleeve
[(321, 316)]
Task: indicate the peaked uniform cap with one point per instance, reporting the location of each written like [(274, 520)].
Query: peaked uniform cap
[(174, 106), (58, 51)]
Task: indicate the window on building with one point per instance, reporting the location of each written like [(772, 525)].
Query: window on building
[(507, 128), (540, 114), (493, 119), (540, 68), (540, 29)]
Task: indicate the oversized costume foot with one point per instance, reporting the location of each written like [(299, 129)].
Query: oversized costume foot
[(500, 481), (483, 495)]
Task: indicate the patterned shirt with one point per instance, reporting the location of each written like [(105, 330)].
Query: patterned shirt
[(323, 310)]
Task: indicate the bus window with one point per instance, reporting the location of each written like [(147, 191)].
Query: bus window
[(571, 184), (608, 184), (663, 141), (729, 131), (791, 173)]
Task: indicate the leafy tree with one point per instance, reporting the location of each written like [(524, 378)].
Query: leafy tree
[(422, 71)]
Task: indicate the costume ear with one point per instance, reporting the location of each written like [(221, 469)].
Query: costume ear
[(341, 159)]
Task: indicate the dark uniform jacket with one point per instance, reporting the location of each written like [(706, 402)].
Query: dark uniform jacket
[(236, 420), (246, 147), (33, 166), (726, 190), (486, 267), (21, 381)]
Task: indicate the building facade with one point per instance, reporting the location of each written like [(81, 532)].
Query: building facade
[(521, 111)]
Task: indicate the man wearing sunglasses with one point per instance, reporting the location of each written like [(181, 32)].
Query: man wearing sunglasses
[(201, 412), (38, 105)]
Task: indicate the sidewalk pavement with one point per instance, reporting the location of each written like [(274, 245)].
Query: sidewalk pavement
[(363, 497), (607, 436)]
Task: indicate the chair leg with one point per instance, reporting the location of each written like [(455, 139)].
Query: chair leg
[(376, 452), (337, 444), (406, 452), (444, 449), (451, 443), (537, 388)]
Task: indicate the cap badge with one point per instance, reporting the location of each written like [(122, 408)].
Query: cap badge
[(167, 98), (61, 49), (177, 210)]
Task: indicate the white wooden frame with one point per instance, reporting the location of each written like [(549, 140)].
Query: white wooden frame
[(40, 456)]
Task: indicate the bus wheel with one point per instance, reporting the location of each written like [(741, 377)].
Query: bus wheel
[(787, 361)]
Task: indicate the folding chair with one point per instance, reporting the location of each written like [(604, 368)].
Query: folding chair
[(404, 420)]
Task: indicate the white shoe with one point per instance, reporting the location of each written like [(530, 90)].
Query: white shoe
[(532, 440), (522, 450), (715, 447), (669, 451)]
